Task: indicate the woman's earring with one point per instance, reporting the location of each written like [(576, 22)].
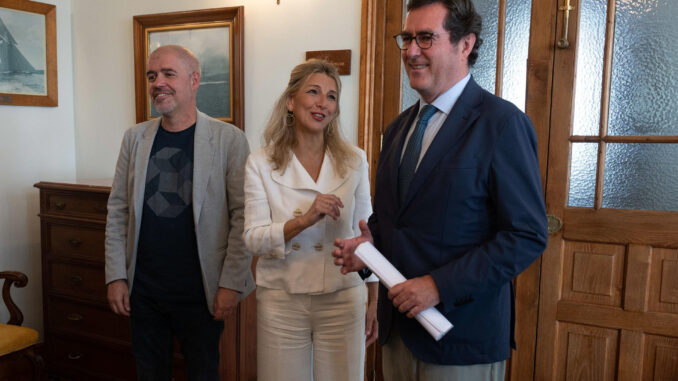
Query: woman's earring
[(289, 119)]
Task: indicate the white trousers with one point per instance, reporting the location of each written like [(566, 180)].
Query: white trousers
[(303, 337)]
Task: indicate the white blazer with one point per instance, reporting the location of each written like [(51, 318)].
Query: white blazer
[(304, 264)]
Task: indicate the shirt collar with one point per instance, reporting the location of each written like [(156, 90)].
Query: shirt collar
[(446, 100)]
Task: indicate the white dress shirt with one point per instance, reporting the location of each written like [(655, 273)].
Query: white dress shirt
[(444, 104)]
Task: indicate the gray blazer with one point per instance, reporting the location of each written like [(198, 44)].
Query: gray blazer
[(219, 158)]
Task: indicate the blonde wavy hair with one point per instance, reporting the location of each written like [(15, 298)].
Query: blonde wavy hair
[(280, 136)]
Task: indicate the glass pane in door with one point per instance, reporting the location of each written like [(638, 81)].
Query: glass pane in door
[(485, 69), (589, 69), (644, 89), (641, 176), (408, 97), (516, 44), (583, 174), (638, 172)]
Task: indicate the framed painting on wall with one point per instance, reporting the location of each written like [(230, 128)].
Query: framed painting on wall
[(215, 36), (28, 53)]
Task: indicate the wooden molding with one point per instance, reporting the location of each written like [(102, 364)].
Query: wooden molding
[(368, 84), (379, 100), (538, 107)]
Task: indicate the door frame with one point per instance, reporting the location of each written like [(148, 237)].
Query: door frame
[(379, 103), (379, 87)]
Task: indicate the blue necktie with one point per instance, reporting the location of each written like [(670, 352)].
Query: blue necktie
[(413, 150)]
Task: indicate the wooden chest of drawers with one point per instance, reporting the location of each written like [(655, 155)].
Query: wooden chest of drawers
[(84, 340)]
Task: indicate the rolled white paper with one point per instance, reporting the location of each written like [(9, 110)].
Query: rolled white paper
[(431, 319)]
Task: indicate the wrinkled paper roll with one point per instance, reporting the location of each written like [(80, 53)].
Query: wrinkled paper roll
[(431, 319)]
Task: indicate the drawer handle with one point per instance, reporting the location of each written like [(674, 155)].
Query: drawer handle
[(74, 317), (74, 356), (76, 280), (75, 242), (60, 205)]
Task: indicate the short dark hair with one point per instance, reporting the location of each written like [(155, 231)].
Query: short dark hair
[(461, 20)]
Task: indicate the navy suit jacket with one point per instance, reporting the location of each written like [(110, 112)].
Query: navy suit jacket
[(473, 219)]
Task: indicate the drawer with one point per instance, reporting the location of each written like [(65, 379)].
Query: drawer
[(87, 319), (82, 360), (76, 204), (81, 281), (77, 241)]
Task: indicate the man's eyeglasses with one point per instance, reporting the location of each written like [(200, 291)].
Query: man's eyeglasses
[(423, 40)]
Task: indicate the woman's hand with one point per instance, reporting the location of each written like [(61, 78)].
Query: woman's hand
[(323, 205)]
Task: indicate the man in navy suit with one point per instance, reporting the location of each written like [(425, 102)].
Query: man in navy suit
[(458, 207)]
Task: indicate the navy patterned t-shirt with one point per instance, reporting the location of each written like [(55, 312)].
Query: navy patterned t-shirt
[(168, 267)]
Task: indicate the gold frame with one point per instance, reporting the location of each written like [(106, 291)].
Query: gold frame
[(207, 18), (50, 99)]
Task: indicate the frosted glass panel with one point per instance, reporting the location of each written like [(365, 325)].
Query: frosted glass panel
[(641, 176), (516, 44), (409, 96), (485, 70), (644, 87), (583, 174), (589, 77)]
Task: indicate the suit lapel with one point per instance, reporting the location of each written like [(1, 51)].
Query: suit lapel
[(203, 161), (143, 153), (399, 139), (460, 119)]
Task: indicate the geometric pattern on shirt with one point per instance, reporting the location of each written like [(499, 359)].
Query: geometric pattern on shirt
[(171, 172)]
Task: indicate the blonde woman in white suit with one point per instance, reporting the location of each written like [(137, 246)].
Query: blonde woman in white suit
[(303, 190)]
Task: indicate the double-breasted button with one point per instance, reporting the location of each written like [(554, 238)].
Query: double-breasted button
[(297, 212), (318, 246), (296, 246)]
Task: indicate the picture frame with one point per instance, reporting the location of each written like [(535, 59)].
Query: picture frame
[(28, 54), (215, 36)]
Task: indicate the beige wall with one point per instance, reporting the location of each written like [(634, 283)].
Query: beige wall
[(36, 143), (80, 138), (276, 39)]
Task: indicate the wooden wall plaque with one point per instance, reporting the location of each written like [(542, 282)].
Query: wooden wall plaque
[(340, 58)]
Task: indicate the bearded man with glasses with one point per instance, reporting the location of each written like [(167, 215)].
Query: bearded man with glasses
[(458, 206)]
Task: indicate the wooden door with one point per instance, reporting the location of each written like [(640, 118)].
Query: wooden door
[(608, 303)]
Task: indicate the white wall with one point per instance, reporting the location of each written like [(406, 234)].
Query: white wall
[(37, 143), (80, 138), (276, 39)]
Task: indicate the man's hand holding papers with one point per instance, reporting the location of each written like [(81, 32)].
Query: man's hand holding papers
[(415, 295)]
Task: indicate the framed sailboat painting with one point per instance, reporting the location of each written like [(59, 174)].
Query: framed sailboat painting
[(28, 56), (215, 36)]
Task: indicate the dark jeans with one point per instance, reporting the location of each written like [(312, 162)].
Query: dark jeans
[(154, 324)]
